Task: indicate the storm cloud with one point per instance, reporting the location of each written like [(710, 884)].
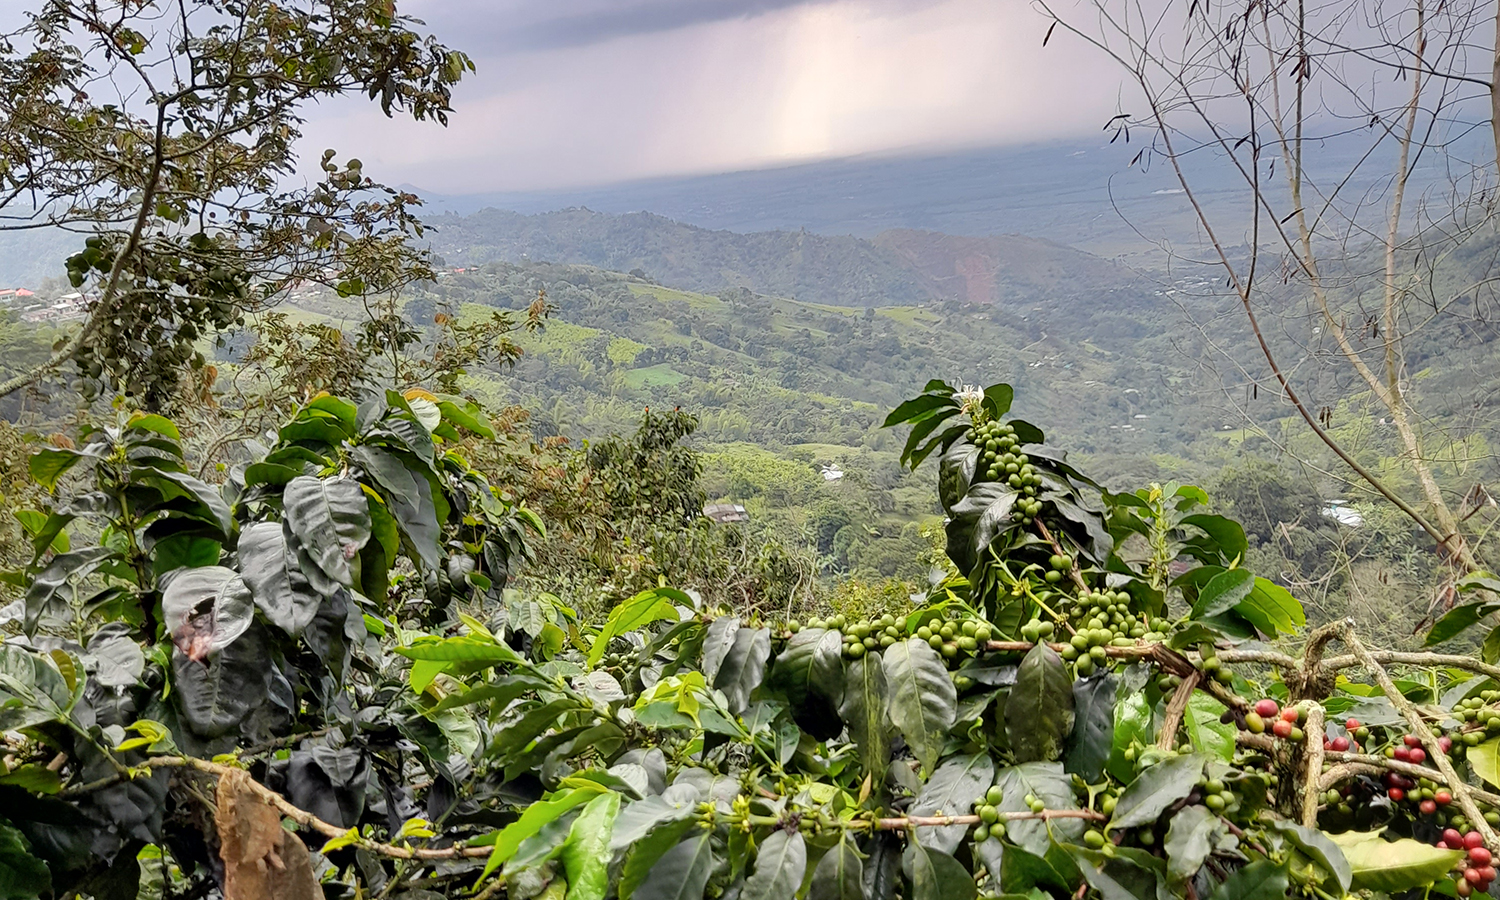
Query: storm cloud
[(581, 92)]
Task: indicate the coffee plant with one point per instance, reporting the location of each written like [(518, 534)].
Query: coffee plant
[(312, 681)]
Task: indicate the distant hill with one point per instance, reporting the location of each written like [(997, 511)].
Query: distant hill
[(1002, 269), (896, 268)]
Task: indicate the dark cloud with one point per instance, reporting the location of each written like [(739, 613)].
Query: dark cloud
[(513, 26)]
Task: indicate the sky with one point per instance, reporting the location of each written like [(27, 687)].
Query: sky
[(585, 92)]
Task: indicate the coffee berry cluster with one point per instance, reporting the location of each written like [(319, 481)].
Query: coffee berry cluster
[(987, 808)]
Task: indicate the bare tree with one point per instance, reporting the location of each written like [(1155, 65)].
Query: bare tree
[(1355, 134)]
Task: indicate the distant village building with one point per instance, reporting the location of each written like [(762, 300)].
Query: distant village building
[(1342, 514), (832, 472), (724, 513)]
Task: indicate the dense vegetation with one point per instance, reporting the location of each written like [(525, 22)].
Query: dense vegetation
[(327, 638)]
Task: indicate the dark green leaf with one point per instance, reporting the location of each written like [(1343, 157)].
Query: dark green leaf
[(864, 712), (744, 667), (1261, 880), (65, 568), (216, 695), (1321, 848), (997, 400), (1155, 789), (114, 657), (923, 403), (1048, 783), (1222, 593), (779, 866), (936, 875), (1190, 840), (1092, 740), (924, 704), (1022, 871), (22, 875), (276, 583), (1457, 620), (645, 852), (638, 819), (1039, 710), (681, 873), (1226, 533), (206, 610), (184, 551), (809, 673), (717, 642), (975, 521), (951, 791), (1124, 875), (331, 520), (409, 497), (48, 465), (213, 508), (839, 875)]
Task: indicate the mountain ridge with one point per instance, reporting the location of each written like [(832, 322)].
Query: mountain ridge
[(897, 267)]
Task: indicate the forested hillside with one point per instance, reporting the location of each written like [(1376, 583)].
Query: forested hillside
[(896, 268)]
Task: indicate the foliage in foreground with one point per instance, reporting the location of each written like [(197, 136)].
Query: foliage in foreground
[(325, 642)]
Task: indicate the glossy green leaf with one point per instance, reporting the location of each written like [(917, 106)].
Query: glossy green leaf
[(1274, 603), (644, 608), (923, 704), (269, 569), (49, 465), (1049, 783), (1458, 620), (532, 819), (1485, 760), (1223, 592), (1376, 864), (1207, 733), (586, 856), (1228, 534), (650, 848), (408, 495), (469, 417), (464, 648), (809, 673), (1039, 710), (50, 587), (744, 667), (1126, 874), (936, 875)]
